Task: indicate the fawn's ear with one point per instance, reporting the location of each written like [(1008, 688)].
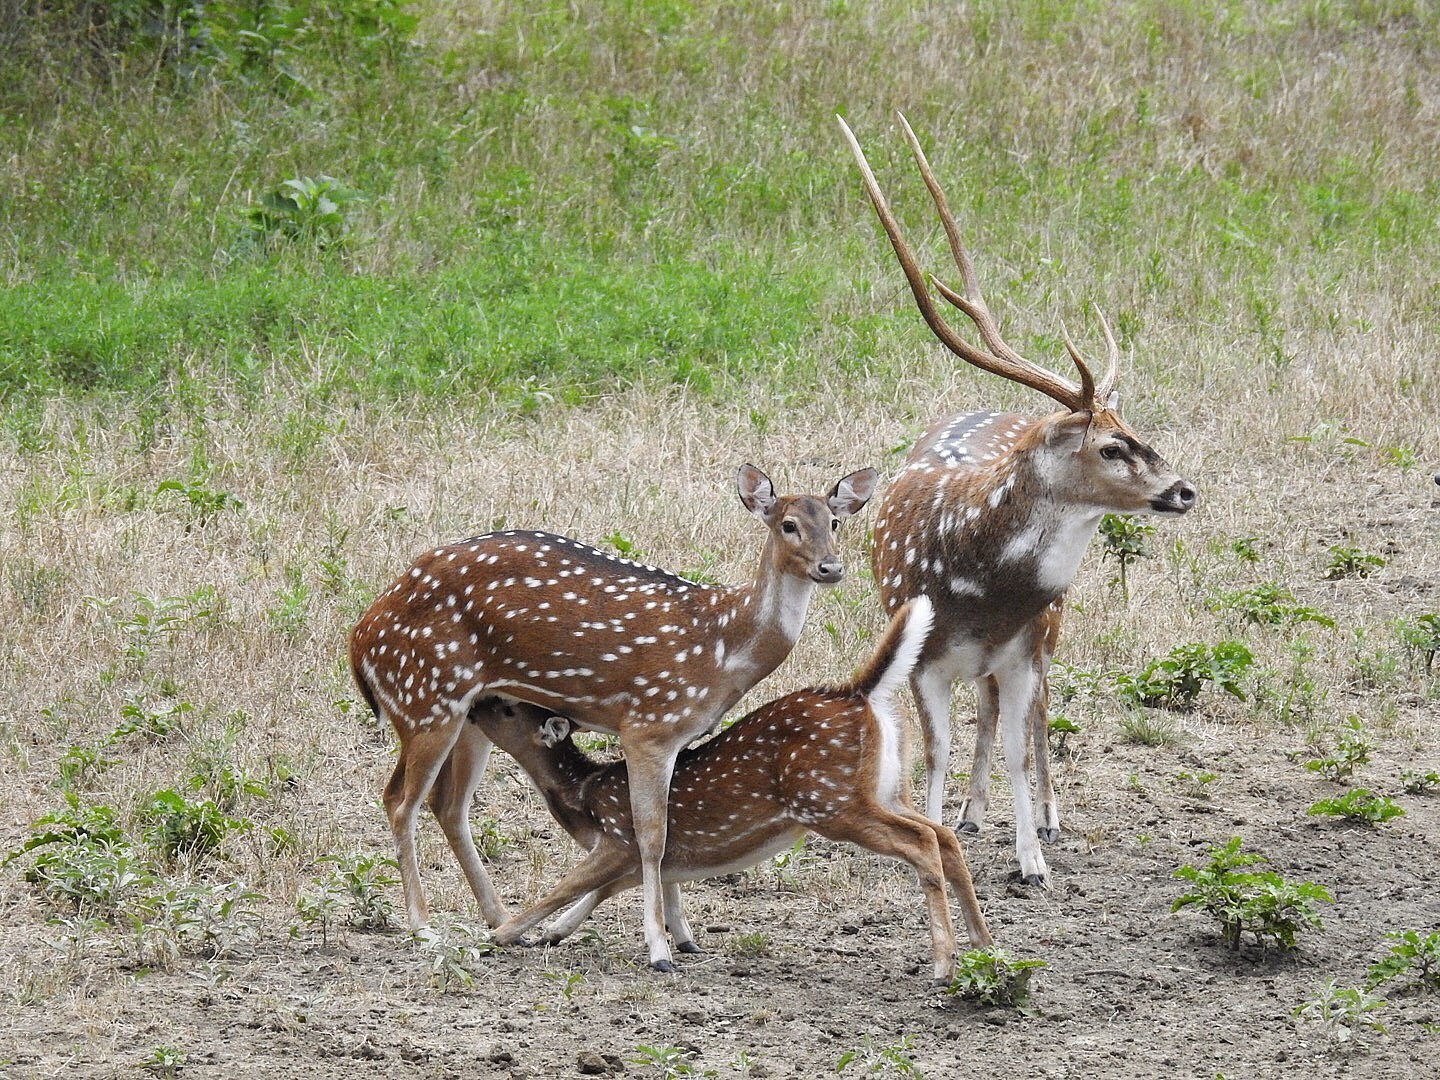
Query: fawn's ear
[(756, 491), (554, 729), (851, 493)]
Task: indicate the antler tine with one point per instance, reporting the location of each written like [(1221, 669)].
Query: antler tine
[(1112, 367), (1001, 360), (1087, 381), (913, 274)]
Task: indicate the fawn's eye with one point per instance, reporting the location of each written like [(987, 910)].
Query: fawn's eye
[(788, 526), (1113, 452)]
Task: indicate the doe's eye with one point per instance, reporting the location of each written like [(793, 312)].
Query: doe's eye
[(1111, 452), (788, 526)]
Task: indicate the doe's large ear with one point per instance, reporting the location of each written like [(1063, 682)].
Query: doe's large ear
[(852, 492), (756, 491)]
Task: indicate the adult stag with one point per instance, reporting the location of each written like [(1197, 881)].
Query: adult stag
[(990, 516), (611, 644)]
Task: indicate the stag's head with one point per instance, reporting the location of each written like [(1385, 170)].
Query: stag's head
[(1094, 458)]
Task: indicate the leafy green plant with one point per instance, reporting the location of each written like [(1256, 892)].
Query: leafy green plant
[(1125, 538), (1258, 901), (1416, 782), (1352, 750), (1197, 785), (665, 1062), (452, 952), (1347, 562), (872, 1058), (303, 210), (203, 502), (1269, 604), (361, 878), (990, 976), (1421, 637), (80, 765), (179, 828), (1343, 1013), (1176, 680), (1411, 955), (153, 724), (214, 921), (164, 1061), (1060, 729), (1358, 805)]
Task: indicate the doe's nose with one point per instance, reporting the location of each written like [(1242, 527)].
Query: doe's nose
[(1185, 494), (828, 571)]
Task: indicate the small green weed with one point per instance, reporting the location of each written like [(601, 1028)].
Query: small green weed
[(751, 945), (1060, 729), (203, 502), (453, 952), (1411, 955), (1421, 638), (1358, 805), (875, 1059), (164, 1061), (1197, 785), (181, 829), (1258, 901), (1348, 562), (990, 976), (309, 211), (1176, 680), (1124, 538), (1343, 1013), (1351, 751), (1268, 604), (1148, 729), (1416, 782), (666, 1062)]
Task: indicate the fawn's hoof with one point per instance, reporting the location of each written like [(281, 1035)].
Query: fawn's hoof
[(1048, 835), (665, 967)]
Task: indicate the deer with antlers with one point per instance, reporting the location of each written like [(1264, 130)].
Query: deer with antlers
[(829, 761), (990, 516), (611, 644)]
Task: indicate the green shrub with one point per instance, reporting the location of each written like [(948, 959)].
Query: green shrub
[(990, 977), (1258, 901), (1269, 604), (1176, 680), (179, 828), (1351, 751), (1358, 805), (1412, 955)]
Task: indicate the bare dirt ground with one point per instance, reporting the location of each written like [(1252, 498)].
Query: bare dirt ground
[(1130, 990)]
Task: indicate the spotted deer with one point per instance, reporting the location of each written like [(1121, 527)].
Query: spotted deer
[(990, 516), (828, 761), (612, 644)]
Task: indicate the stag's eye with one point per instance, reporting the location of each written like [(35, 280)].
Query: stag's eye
[(788, 526), (1113, 452)]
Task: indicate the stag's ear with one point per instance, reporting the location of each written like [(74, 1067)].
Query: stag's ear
[(1112, 401), (851, 493), (1067, 433), (756, 491)]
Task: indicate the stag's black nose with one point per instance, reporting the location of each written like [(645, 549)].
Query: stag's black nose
[(1185, 495)]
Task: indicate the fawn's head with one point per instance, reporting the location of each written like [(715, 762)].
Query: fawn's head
[(803, 527)]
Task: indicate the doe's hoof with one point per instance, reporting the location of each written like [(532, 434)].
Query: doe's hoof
[(665, 967), (1037, 880), (688, 947), (968, 828), (1048, 835)]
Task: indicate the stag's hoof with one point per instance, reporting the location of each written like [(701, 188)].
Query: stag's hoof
[(688, 947), (1049, 835), (968, 828), (665, 967)]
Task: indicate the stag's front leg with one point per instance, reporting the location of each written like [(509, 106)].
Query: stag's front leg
[(650, 768), (1049, 827), (1019, 687), (977, 793)]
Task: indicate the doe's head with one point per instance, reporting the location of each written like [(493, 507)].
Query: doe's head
[(803, 527)]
